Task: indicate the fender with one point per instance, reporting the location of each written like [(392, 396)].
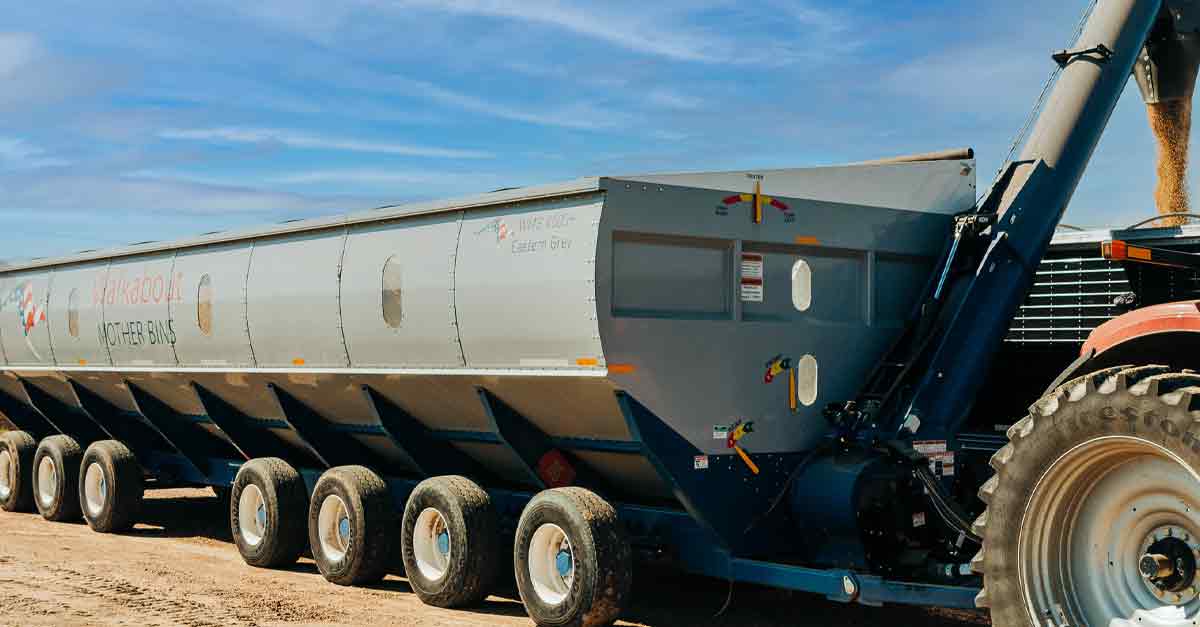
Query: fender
[(1167, 334)]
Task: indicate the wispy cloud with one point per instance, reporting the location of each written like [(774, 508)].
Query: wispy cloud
[(625, 32), (671, 99), (18, 154), (300, 139), (579, 115), (16, 51), (383, 177)]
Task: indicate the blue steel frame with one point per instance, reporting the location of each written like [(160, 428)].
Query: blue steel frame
[(712, 537)]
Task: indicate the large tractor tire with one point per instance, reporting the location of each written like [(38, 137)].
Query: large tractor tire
[(1094, 511)]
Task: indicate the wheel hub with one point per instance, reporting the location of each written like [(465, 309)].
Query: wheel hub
[(1169, 562), (563, 562)]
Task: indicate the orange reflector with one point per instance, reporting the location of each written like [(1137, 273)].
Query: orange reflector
[(621, 368), (804, 240), (587, 361), (1114, 250), (82, 362), (297, 362), (1137, 252)]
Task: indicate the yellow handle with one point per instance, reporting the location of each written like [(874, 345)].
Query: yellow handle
[(746, 458)]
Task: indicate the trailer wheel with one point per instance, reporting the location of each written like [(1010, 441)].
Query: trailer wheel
[(572, 559), (17, 449), (56, 478), (110, 486), (451, 542), (1094, 511), (267, 509), (351, 525)]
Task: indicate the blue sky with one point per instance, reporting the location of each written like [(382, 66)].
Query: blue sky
[(137, 120)]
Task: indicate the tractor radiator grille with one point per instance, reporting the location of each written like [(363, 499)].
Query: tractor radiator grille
[(1073, 292), (1076, 290)]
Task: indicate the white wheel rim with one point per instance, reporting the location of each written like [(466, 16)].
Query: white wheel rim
[(551, 564), (6, 474), (95, 490), (431, 544), (252, 515), (47, 481), (333, 528), (1092, 517)]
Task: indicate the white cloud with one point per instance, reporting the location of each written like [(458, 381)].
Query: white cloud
[(89, 193), (671, 99), (18, 154), (301, 139), (580, 115), (385, 177), (16, 51), (625, 32)]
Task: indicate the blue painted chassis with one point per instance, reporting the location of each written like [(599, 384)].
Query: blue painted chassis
[(709, 537)]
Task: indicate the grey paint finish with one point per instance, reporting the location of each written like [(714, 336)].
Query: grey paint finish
[(524, 290), (226, 345), (292, 304), (516, 298), (927, 186), (32, 348), (706, 369), (423, 251), (137, 322), (83, 287)]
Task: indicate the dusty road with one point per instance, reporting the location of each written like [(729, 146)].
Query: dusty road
[(179, 568)]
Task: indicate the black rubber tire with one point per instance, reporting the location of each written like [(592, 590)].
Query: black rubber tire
[(21, 448), (285, 498), (474, 531), (1150, 402), (603, 558), (120, 508), (66, 454), (372, 521)]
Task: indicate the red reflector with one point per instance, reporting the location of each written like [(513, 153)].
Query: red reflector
[(1115, 250), (554, 469)]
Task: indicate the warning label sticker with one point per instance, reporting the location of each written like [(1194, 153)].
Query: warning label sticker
[(941, 461), (752, 278), (700, 462)]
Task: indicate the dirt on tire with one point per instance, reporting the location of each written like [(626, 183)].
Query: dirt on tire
[(178, 566)]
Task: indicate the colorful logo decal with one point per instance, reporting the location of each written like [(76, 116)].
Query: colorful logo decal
[(496, 226), (777, 366), (29, 311), (737, 431), (757, 200)]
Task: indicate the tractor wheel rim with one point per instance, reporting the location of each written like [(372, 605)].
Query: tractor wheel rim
[(47, 481), (1094, 518), (431, 544), (252, 523), (95, 490), (333, 528), (6, 474), (551, 564)]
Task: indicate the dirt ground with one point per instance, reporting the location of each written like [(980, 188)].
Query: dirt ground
[(180, 568)]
